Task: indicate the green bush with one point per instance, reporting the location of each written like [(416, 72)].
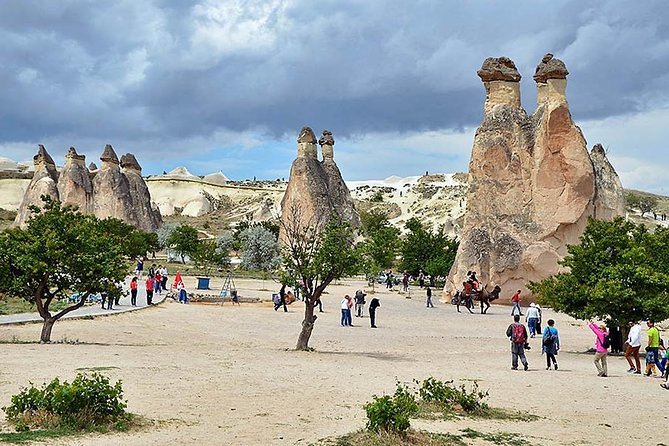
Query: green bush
[(87, 402), (391, 414), (452, 398)]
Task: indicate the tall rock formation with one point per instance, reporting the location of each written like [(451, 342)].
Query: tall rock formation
[(316, 188), (74, 184), (532, 184), (338, 192), (112, 190), (44, 182), (147, 216)]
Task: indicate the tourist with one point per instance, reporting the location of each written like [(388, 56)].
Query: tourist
[(601, 348), (650, 363), (133, 291), (428, 292), (405, 281), (158, 282), (318, 303), (421, 278), (344, 310), (654, 344), (140, 266), (389, 280), (474, 281), (359, 303), (149, 289), (349, 304), (110, 301), (633, 345), (152, 270), (103, 299), (281, 300), (183, 295), (550, 341), (532, 317), (515, 304), (373, 305), (517, 334), (538, 324)]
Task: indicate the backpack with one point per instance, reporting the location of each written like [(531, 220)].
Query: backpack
[(519, 335), (606, 342), (549, 339)]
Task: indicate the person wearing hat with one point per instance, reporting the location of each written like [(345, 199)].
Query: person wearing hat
[(532, 319), (601, 350)]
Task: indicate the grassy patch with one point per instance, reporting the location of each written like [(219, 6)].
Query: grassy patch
[(96, 369), (15, 305), (36, 435), (422, 438)]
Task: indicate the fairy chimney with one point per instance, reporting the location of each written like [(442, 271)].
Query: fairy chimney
[(44, 182), (74, 184), (147, 216)]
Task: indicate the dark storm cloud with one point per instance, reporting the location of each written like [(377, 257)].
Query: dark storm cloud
[(162, 73)]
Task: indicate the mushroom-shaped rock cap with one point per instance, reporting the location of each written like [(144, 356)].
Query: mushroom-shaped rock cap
[(307, 135), (43, 156), (128, 161), (597, 148), (72, 153), (92, 166), (498, 69), (550, 68), (109, 155), (327, 138)]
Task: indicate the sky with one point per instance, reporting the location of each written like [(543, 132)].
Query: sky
[(227, 85)]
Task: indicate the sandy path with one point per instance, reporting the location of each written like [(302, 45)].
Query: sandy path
[(229, 374)]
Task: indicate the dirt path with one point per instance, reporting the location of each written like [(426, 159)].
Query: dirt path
[(228, 375)]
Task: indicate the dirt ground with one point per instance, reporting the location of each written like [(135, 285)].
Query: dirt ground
[(223, 375)]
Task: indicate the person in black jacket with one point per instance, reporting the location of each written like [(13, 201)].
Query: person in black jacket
[(373, 305)]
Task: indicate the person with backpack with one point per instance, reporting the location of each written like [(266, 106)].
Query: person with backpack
[(602, 344), (517, 333), (550, 341)]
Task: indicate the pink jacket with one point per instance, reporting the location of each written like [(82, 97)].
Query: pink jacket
[(599, 347)]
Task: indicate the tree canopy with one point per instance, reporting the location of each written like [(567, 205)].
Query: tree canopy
[(432, 251), (619, 272), (183, 240), (61, 252)]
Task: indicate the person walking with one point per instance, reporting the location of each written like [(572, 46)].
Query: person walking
[(373, 305), (515, 304), (140, 266), (532, 319), (405, 281), (428, 291), (654, 345), (110, 301), (550, 344), (359, 303), (633, 345), (517, 334), (389, 280), (282, 299), (421, 278), (149, 289), (133, 291), (602, 344)]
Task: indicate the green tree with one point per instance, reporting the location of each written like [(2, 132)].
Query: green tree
[(313, 258), (208, 254), (183, 240), (431, 251), (644, 203), (619, 272), (62, 251), (260, 250)]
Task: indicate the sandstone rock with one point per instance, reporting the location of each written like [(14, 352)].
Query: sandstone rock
[(316, 188), (196, 207), (111, 190), (74, 184), (146, 216), (532, 184), (609, 193), (44, 182), (216, 178), (92, 166)]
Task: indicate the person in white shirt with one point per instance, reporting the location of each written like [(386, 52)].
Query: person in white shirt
[(532, 318), (633, 345)]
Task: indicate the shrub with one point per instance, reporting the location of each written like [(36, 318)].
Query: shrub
[(88, 401), (391, 414), (451, 398)]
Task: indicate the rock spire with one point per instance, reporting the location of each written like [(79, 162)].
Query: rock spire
[(532, 183)]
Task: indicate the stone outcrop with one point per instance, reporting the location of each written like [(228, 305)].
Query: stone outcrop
[(316, 187), (111, 192), (532, 183), (44, 182), (74, 185), (148, 218)]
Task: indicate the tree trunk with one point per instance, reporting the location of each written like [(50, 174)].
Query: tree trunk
[(45, 337), (307, 324)]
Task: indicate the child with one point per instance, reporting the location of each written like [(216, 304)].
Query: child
[(650, 363)]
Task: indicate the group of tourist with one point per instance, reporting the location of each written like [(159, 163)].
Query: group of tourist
[(359, 301), (656, 356)]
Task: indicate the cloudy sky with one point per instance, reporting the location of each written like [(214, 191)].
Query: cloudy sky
[(227, 85)]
